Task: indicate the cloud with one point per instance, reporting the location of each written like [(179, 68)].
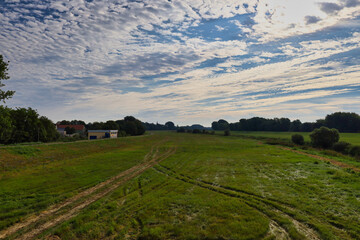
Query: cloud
[(352, 3), (185, 59), (312, 19), (330, 8)]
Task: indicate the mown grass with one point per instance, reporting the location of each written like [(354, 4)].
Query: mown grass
[(213, 187), (33, 178), (353, 138), (257, 182)]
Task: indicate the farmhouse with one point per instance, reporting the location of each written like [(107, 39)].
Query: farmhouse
[(99, 134)]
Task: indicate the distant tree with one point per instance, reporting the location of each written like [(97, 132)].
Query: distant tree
[(215, 125), (6, 125), (64, 122), (77, 122), (220, 125), (227, 132), (27, 125), (131, 126), (96, 126), (295, 126), (111, 125), (140, 127), (297, 139), (343, 121), (324, 137), (48, 131), (235, 126), (4, 76), (320, 123), (170, 125), (307, 127), (70, 130), (129, 118), (196, 131), (181, 130)]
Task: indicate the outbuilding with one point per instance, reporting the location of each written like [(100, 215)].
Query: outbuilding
[(100, 134)]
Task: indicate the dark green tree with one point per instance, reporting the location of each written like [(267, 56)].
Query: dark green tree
[(297, 139), (220, 125), (111, 125), (343, 121), (27, 125), (170, 125), (70, 130), (324, 137), (96, 126), (295, 126), (48, 131), (4, 76), (130, 128), (6, 125)]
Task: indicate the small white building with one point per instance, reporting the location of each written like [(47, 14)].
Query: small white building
[(100, 134)]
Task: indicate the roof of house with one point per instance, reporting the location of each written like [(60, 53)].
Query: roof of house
[(98, 131), (76, 127)]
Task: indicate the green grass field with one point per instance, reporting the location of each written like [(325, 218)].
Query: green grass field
[(353, 138), (212, 187)]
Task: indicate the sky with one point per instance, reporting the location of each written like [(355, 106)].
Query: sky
[(186, 61)]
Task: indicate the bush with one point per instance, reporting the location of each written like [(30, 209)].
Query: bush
[(226, 133), (297, 139), (324, 137), (181, 130), (196, 131), (342, 147), (355, 151)]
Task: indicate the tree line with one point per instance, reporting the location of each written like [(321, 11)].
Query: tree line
[(343, 121), (25, 125), (127, 126)]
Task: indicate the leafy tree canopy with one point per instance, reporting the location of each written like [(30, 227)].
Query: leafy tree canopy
[(4, 76)]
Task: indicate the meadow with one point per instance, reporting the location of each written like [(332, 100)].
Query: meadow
[(175, 186), (353, 138)]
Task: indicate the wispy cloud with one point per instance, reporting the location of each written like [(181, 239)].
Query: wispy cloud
[(189, 60)]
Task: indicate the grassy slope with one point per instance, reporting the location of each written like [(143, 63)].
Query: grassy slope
[(32, 177), (353, 138), (256, 182)]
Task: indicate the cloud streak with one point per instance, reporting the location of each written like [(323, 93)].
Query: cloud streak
[(191, 60)]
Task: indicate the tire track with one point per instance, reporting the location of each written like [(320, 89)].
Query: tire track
[(96, 192), (332, 161), (260, 204)]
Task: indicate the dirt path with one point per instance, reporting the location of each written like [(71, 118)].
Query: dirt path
[(95, 193), (332, 161)]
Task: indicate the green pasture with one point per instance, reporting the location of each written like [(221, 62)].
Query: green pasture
[(213, 187), (353, 138)]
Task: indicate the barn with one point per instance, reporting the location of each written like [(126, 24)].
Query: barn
[(100, 134)]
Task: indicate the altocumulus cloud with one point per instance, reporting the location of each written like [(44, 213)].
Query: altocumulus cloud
[(190, 61)]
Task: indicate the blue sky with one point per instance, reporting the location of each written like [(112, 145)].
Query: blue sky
[(185, 61)]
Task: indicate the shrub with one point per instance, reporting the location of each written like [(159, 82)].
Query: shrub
[(342, 147), (226, 133), (297, 139), (196, 131), (324, 137), (355, 151), (181, 130)]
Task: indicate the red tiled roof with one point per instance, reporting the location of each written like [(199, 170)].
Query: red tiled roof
[(76, 127)]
